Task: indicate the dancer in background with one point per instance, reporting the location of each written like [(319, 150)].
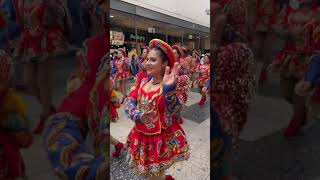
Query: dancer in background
[(184, 61), (265, 17), (183, 84), (204, 75), (293, 61), (155, 115), (195, 61), (122, 72), (234, 70), (45, 27)]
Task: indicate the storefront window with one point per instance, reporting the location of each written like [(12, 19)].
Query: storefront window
[(121, 29), (132, 32)]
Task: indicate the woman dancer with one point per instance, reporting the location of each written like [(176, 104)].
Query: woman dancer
[(292, 62), (184, 61), (122, 71), (233, 66), (204, 75), (266, 12), (43, 38), (154, 107), (195, 60)]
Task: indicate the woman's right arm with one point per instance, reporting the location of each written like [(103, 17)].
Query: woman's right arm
[(130, 105)]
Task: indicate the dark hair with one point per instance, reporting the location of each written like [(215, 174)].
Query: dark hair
[(163, 56)]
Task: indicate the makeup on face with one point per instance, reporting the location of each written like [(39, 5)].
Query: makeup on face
[(154, 64), (120, 54)]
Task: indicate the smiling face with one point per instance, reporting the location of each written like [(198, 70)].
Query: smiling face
[(155, 63), (120, 54)]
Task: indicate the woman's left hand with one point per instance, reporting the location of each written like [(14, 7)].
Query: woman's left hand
[(170, 78)]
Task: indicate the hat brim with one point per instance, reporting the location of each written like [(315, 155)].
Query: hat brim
[(166, 48)]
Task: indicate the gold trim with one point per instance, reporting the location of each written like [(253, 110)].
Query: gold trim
[(169, 163)]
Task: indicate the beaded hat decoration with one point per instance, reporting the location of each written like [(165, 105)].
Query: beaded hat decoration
[(166, 48)]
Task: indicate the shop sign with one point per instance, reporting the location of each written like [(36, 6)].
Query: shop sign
[(117, 38), (139, 38)]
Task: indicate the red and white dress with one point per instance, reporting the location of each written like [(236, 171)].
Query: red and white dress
[(122, 68), (204, 74), (155, 145)]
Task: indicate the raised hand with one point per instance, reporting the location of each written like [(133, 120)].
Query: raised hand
[(170, 78)]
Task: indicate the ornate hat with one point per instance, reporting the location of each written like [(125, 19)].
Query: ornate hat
[(123, 52), (166, 48), (6, 66)]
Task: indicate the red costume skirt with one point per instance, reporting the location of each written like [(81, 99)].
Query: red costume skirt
[(152, 154), (122, 75)]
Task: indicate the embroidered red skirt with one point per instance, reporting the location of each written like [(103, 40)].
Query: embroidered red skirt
[(152, 154)]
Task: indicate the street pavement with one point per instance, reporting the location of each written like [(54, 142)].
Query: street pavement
[(264, 153)]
